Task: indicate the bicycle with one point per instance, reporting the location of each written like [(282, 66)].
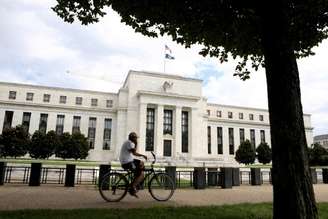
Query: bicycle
[(114, 185)]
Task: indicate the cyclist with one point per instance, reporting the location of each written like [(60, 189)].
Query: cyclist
[(128, 162)]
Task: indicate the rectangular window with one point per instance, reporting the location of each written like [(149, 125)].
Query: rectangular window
[(78, 100), (167, 129), (251, 116), (26, 121), (29, 96), (8, 120), (92, 132), (208, 112), (107, 134), (167, 148), (231, 142), (60, 124), (12, 95), (150, 129), (261, 117), (242, 135), (76, 124), (209, 143), (219, 113), (253, 143), (220, 142), (230, 115), (262, 132), (241, 116), (46, 98), (109, 103), (62, 99), (43, 123), (94, 102), (184, 132)]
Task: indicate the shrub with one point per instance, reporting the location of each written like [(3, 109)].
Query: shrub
[(245, 153), (318, 155), (79, 146), (62, 149), (14, 142), (264, 153), (43, 145)]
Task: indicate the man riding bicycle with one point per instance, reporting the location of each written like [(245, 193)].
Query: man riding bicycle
[(128, 162)]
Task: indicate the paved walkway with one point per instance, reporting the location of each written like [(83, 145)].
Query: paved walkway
[(58, 197)]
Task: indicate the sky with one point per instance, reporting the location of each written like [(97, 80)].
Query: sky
[(37, 47)]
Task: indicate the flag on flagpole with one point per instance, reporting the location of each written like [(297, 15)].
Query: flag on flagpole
[(168, 53)]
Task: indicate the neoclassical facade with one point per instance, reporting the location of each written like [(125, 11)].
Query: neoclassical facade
[(168, 112)]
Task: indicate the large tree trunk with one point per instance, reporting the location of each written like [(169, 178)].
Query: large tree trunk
[(293, 195)]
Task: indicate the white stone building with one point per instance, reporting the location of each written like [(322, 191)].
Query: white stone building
[(321, 139), (168, 112)]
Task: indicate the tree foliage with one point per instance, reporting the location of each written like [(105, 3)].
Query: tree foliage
[(224, 28), (72, 146), (14, 142), (245, 153), (264, 153), (318, 155), (43, 145)]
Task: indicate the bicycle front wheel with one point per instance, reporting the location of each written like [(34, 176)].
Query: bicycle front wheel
[(161, 187), (113, 187)]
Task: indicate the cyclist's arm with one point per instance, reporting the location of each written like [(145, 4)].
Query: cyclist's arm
[(135, 153)]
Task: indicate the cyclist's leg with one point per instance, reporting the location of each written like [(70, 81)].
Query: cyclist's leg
[(139, 173)]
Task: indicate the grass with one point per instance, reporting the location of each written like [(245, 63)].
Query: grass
[(240, 211)]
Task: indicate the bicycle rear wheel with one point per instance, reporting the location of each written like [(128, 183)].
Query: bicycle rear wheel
[(161, 187), (113, 187)]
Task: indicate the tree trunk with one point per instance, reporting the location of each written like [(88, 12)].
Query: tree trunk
[(293, 195)]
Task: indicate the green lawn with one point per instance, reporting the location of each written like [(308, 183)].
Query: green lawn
[(240, 211)]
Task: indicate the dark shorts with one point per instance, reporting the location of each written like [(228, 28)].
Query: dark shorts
[(134, 166)]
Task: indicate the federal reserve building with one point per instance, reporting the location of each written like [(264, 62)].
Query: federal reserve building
[(168, 112)]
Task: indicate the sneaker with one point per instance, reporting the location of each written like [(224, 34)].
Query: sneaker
[(133, 192)]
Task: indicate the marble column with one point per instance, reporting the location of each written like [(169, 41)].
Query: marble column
[(159, 131), (142, 127), (177, 132)]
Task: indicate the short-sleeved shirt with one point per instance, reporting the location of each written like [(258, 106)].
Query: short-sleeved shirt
[(126, 155)]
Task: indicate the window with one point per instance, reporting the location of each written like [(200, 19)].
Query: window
[(92, 132), (209, 143), (12, 95), (167, 122), (94, 102), (231, 142), (167, 148), (109, 103), (60, 124), (46, 98), (184, 132), (261, 117), (230, 115), (26, 121), (76, 124), (218, 113), (262, 133), (62, 99), (241, 116), (150, 129), (208, 112), (220, 143), (253, 143), (43, 123), (29, 96), (107, 134), (8, 120), (78, 100), (242, 135), (251, 116)]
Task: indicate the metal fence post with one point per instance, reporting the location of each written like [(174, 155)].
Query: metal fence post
[(103, 170), (2, 172), (70, 175), (314, 176), (325, 175), (35, 176), (256, 176), (235, 177), (172, 172), (226, 177), (199, 178)]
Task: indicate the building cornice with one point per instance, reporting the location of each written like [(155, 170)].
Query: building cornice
[(58, 107), (55, 88), (167, 94)]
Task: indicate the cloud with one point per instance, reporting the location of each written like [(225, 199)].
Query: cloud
[(38, 47)]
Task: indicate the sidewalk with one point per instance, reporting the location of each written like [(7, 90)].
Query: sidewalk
[(58, 197)]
